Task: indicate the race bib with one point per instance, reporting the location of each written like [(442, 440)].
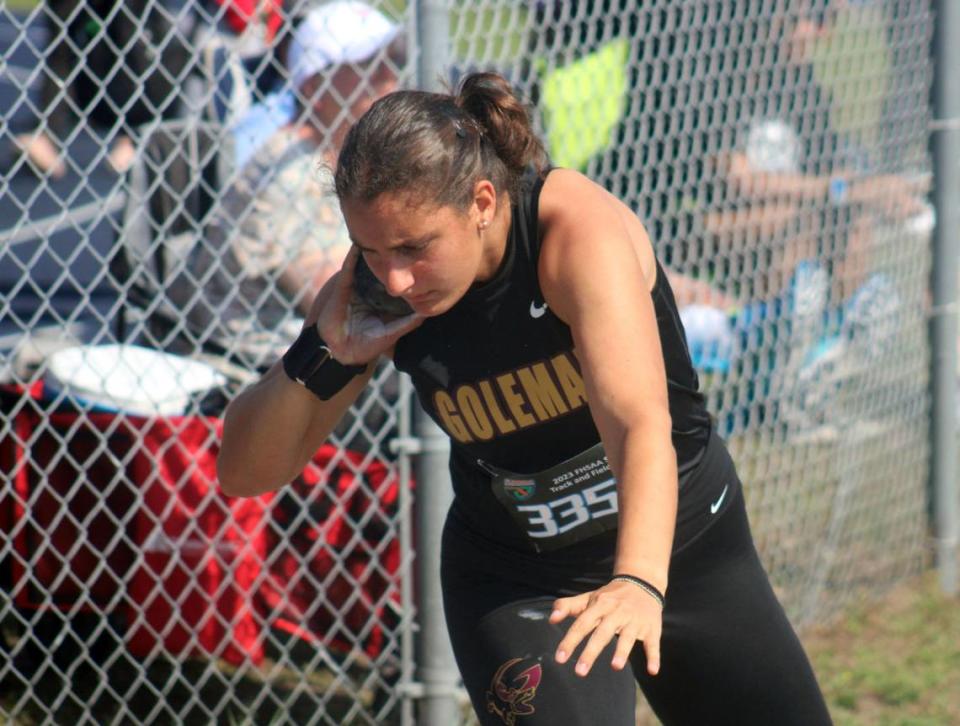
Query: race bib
[(567, 503)]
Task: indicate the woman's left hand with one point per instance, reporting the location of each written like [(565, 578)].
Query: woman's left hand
[(618, 609)]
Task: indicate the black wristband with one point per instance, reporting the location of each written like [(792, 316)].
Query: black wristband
[(309, 362), (651, 590)]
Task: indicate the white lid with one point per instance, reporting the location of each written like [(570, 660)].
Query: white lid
[(130, 378)]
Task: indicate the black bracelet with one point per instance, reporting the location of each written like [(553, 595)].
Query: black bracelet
[(310, 363), (651, 590)]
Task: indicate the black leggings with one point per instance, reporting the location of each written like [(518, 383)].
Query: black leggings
[(728, 652)]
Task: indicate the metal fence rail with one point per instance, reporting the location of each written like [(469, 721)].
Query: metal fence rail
[(776, 151)]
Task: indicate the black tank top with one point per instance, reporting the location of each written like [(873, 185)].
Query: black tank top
[(497, 372)]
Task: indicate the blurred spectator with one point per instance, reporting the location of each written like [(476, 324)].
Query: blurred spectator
[(260, 122), (744, 136), (115, 65), (38, 144), (798, 187), (762, 191), (279, 234), (279, 108), (786, 227), (242, 44)]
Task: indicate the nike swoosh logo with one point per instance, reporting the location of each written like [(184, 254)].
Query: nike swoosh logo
[(537, 311), (715, 507)]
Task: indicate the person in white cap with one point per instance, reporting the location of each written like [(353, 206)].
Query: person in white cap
[(279, 234), (337, 35)]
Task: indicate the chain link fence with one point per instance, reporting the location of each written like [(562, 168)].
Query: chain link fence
[(165, 214), (777, 152)]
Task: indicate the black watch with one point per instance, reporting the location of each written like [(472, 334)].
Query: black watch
[(310, 363)]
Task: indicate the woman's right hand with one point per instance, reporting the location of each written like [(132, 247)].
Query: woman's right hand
[(352, 330)]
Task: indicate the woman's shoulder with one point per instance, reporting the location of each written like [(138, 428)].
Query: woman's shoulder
[(573, 202), (560, 182), (565, 192), (575, 212)]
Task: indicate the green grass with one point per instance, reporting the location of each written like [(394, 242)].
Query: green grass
[(894, 662)]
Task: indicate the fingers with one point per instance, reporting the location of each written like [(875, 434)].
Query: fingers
[(601, 618), (350, 262), (606, 629), (602, 634), (651, 646), (364, 323), (589, 617), (345, 291), (401, 326), (566, 607), (625, 642)]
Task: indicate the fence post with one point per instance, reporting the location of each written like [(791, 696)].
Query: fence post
[(403, 447), (945, 133), (437, 670), (433, 35)]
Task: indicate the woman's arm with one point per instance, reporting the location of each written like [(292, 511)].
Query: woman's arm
[(596, 272), (272, 429)]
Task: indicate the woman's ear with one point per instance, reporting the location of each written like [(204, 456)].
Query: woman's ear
[(484, 206)]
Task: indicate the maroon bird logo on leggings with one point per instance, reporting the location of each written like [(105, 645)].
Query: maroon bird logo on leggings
[(512, 690)]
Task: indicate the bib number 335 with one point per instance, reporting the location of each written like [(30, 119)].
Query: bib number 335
[(569, 502), (569, 512)]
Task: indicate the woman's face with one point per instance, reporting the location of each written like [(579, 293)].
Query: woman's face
[(428, 255)]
